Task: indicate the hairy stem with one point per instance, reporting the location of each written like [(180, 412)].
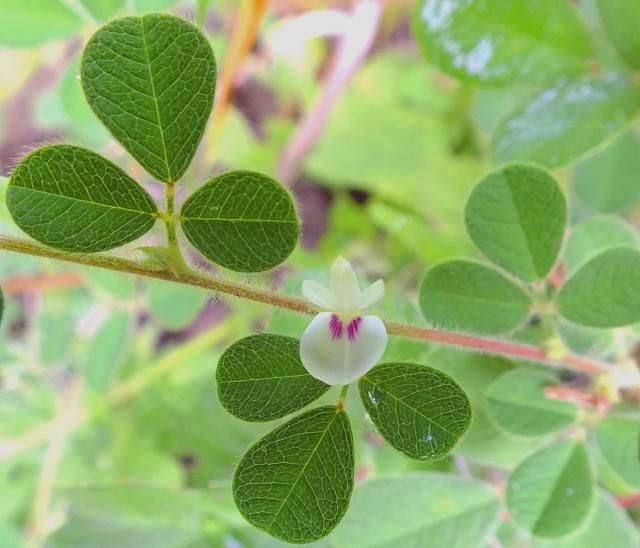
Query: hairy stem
[(177, 260), (479, 344)]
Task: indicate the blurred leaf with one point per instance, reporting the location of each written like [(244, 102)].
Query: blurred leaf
[(483, 443), (103, 9), (73, 199), (419, 510), (242, 220), (595, 235), (621, 20), (82, 122), (418, 410), (551, 493), (296, 482), (10, 537), (175, 306), (116, 284), (261, 378), (106, 351), (516, 402), (517, 216), (617, 440), (585, 340), (134, 516), (497, 42), (603, 292), (29, 23), (564, 121), (472, 297), (151, 80), (144, 6), (607, 181), (607, 526)]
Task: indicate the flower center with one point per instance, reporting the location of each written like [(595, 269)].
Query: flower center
[(336, 327)]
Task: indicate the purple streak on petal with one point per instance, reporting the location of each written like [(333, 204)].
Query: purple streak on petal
[(335, 326), (352, 328)]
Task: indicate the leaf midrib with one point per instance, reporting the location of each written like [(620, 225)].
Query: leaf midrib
[(306, 464), (83, 201), (155, 98)]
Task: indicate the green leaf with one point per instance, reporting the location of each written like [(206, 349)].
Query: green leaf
[(28, 23), (517, 403), (609, 526), (103, 9), (472, 297), (497, 42), (595, 235), (261, 378), (621, 20), (296, 482), (393, 512), (617, 440), (419, 410), (604, 292), (174, 306), (71, 198), (560, 123), (151, 81), (551, 493), (607, 181), (134, 516), (517, 216), (106, 351), (242, 220)]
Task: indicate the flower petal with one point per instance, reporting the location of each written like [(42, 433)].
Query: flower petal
[(342, 354), (372, 295), (316, 293), (345, 290)]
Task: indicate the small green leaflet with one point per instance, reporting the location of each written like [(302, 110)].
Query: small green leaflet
[(73, 199), (606, 181), (551, 493), (500, 42), (517, 216), (418, 410), (595, 235), (242, 220), (175, 306), (296, 482), (516, 402), (472, 297), (261, 378), (560, 123), (604, 292), (621, 20), (390, 512), (151, 82), (617, 440)]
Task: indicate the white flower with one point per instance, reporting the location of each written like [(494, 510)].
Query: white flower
[(341, 345)]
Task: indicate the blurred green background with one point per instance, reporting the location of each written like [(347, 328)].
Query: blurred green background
[(110, 430)]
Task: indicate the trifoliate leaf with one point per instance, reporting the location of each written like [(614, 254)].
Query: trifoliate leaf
[(516, 216), (242, 220), (551, 493), (472, 297), (419, 410), (73, 199), (296, 482), (261, 378), (604, 291), (151, 82)]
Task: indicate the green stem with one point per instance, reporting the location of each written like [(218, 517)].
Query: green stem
[(496, 347), (342, 397), (176, 259)]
